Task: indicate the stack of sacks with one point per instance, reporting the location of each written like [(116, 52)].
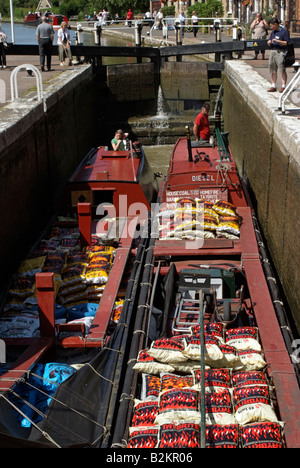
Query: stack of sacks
[(79, 278), (85, 275), (20, 316), (237, 349), (238, 411), (192, 218)]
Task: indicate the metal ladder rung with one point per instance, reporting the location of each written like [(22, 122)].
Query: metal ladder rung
[(183, 310)]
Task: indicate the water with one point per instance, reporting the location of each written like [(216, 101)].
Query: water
[(27, 35)]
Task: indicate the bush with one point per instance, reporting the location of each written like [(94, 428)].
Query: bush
[(168, 11), (209, 9)]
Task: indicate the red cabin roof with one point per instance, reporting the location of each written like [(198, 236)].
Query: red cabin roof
[(108, 165)]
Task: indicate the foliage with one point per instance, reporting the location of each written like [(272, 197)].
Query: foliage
[(74, 7), (168, 11), (113, 6), (210, 9), (268, 14)]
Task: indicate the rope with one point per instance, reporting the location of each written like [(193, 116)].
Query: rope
[(146, 306), (125, 396), (45, 434), (139, 331), (64, 404), (222, 171), (101, 376)]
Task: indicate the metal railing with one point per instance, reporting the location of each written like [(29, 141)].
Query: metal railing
[(14, 82), (290, 87)]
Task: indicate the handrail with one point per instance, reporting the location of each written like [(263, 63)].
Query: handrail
[(288, 90), (221, 146), (14, 83)]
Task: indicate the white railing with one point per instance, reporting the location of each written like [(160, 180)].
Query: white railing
[(290, 87), (14, 83)]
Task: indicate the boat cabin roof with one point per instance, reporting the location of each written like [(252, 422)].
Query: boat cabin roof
[(104, 165), (202, 157)]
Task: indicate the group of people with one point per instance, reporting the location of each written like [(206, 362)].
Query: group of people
[(45, 37), (278, 41)]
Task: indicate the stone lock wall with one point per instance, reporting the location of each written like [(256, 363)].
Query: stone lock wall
[(39, 150), (181, 82), (266, 145)]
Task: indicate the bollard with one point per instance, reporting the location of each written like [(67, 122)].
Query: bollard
[(235, 31), (217, 30), (79, 34), (138, 33), (217, 38), (178, 32), (97, 33), (165, 32)]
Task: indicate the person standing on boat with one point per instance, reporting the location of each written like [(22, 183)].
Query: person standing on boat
[(117, 142), (278, 41), (201, 125), (3, 38), (259, 29), (63, 41), (45, 36)]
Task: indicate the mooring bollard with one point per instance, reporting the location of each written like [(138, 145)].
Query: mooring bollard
[(97, 33), (138, 33)]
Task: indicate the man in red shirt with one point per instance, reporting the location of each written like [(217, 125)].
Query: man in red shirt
[(201, 126)]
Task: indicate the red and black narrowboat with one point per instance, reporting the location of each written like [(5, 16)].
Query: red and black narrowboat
[(69, 309), (34, 19), (211, 363)]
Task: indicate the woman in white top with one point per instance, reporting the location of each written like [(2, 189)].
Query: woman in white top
[(3, 38), (159, 19), (195, 23), (63, 41)]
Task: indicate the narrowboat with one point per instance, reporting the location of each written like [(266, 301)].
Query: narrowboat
[(34, 19), (211, 364), (69, 309)]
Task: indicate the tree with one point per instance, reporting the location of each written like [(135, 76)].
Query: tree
[(210, 9), (113, 6)]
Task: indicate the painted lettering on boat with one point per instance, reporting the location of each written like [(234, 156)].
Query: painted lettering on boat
[(203, 178)]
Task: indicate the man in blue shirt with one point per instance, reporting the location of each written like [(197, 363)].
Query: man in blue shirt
[(278, 41)]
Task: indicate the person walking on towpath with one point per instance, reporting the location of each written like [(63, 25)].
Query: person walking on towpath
[(45, 36), (201, 126), (129, 18), (2, 48), (278, 41)]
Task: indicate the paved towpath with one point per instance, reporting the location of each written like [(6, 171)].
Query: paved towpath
[(27, 83)]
